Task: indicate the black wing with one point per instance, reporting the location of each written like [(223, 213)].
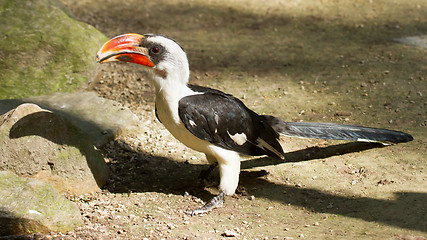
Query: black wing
[(225, 121)]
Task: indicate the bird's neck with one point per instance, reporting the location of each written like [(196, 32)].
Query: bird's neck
[(168, 94), (170, 82), (170, 88)]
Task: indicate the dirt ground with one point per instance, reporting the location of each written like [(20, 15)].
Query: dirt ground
[(325, 61)]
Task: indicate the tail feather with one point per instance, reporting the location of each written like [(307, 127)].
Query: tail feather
[(336, 131)]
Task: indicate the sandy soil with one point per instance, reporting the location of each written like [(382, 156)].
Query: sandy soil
[(327, 61)]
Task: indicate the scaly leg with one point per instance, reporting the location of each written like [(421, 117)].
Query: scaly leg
[(229, 169), (209, 206)]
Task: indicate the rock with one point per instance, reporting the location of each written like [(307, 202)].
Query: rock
[(100, 118), (29, 205), (43, 50), (41, 144), (230, 233), (416, 41)]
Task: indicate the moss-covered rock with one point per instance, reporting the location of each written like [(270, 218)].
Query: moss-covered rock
[(43, 49), (29, 205)]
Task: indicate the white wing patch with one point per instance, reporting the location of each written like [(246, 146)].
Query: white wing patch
[(264, 145), (238, 138), (216, 119), (192, 123), (217, 123)]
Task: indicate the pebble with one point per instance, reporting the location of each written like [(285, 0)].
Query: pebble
[(230, 233)]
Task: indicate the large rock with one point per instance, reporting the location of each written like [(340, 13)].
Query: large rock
[(102, 119), (29, 205), (41, 144), (43, 50)]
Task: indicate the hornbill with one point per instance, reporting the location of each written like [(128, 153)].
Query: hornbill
[(216, 123)]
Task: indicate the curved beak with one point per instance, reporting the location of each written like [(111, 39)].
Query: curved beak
[(124, 48)]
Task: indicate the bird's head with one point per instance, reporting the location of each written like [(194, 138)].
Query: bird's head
[(162, 56)]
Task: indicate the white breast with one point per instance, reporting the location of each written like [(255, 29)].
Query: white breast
[(167, 112)]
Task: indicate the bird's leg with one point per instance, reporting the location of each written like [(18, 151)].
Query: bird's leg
[(209, 206), (205, 175), (229, 169)]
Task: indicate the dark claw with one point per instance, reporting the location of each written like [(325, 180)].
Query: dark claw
[(209, 206)]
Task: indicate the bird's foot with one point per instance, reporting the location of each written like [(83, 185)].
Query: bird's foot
[(209, 206)]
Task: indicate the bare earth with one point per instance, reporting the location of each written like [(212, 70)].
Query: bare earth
[(325, 61)]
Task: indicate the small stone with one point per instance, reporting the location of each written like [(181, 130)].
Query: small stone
[(230, 233)]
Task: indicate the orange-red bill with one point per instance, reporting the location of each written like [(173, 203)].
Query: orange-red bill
[(124, 48)]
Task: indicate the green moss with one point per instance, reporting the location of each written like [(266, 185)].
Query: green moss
[(43, 50), (34, 206)]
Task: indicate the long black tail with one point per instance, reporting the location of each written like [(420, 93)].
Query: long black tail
[(336, 131)]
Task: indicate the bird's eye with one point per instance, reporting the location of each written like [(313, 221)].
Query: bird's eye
[(155, 50)]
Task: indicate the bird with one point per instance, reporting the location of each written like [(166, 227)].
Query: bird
[(216, 123)]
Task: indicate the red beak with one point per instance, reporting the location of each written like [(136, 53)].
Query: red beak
[(125, 48)]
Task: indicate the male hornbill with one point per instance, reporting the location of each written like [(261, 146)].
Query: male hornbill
[(215, 123)]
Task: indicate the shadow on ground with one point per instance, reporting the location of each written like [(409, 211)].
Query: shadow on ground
[(146, 173)]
